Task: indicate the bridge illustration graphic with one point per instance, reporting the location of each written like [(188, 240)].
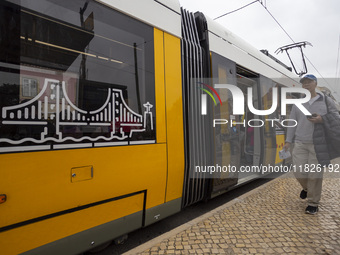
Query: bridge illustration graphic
[(54, 113)]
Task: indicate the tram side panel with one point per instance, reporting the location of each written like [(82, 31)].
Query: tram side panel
[(174, 112), (170, 122), (92, 170)]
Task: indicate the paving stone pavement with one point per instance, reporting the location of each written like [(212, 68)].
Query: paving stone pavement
[(270, 220)]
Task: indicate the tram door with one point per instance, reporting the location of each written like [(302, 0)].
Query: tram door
[(226, 136), (250, 136), (273, 137)]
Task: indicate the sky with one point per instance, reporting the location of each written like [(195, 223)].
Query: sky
[(314, 21)]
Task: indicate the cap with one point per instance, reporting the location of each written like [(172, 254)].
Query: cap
[(308, 77)]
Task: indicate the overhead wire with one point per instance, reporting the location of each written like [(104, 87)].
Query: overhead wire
[(236, 10), (277, 22), (265, 7), (293, 42)]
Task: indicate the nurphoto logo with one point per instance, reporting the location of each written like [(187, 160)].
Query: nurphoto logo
[(238, 104)]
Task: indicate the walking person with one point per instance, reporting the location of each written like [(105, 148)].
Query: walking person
[(310, 150)]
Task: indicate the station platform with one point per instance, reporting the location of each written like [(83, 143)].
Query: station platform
[(270, 219)]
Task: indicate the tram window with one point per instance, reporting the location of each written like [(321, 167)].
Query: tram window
[(227, 145), (267, 86), (29, 87), (74, 73), (289, 106), (250, 131)]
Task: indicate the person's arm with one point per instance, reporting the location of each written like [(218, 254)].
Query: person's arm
[(291, 130)]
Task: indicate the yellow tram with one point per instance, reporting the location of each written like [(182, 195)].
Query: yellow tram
[(101, 127)]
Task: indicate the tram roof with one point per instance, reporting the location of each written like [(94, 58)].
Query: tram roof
[(166, 15), (227, 44), (162, 14)]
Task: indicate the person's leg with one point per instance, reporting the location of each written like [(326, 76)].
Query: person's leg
[(314, 185), (300, 158)]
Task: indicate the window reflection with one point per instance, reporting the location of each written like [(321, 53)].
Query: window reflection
[(227, 146), (72, 77)]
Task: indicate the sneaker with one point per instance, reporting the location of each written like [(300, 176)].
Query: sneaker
[(312, 209), (303, 194)]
